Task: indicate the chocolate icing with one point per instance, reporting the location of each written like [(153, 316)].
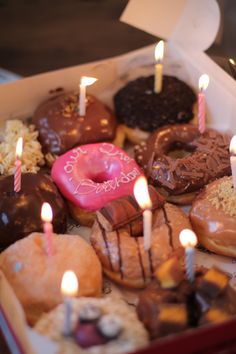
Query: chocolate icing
[(208, 158), (20, 213), (137, 105), (61, 128), (126, 210)]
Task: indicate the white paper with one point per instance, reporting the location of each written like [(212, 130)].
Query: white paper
[(190, 23)]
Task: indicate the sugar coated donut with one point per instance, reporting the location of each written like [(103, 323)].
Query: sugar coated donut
[(117, 237), (182, 161), (213, 217), (36, 277), (92, 175)]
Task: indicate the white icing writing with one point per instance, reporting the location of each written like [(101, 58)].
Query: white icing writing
[(87, 186), (69, 165), (111, 150)]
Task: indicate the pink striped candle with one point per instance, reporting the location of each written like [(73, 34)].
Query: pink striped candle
[(203, 83), (46, 215), (17, 173)]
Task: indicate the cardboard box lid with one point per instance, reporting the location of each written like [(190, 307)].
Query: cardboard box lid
[(190, 23)]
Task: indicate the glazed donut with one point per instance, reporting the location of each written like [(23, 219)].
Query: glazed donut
[(213, 217), (141, 109), (92, 175), (118, 239), (20, 212), (36, 277), (182, 173), (61, 127)]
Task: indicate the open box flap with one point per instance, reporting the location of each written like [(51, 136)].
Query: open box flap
[(191, 23)]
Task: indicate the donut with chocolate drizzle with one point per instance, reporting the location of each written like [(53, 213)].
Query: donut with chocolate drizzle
[(181, 161), (117, 237)]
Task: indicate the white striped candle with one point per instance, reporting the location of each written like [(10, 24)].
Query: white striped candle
[(46, 215)]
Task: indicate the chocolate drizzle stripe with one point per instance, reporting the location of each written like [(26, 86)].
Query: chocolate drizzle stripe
[(119, 251), (168, 226), (106, 214), (150, 260), (140, 260), (106, 244), (133, 203)]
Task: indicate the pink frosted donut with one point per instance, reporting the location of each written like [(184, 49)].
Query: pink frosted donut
[(92, 175)]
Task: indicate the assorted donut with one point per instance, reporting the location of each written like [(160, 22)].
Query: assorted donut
[(77, 165)]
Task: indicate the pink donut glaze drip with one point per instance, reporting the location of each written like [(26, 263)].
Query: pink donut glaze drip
[(92, 175)]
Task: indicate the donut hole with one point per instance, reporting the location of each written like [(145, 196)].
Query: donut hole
[(101, 177), (179, 150)]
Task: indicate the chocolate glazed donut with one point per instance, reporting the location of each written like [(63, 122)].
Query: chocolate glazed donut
[(20, 212), (204, 158), (61, 127), (117, 237)]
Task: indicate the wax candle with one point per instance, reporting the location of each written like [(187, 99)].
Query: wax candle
[(188, 240), (203, 83), (84, 81), (69, 289), (143, 199), (46, 216), (17, 173), (232, 150), (159, 53)]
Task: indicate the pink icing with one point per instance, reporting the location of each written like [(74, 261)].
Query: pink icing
[(92, 175)]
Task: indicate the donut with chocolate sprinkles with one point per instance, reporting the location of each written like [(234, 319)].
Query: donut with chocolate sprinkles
[(138, 106), (180, 161)]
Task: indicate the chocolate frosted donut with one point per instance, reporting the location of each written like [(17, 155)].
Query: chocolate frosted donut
[(61, 127), (203, 158), (20, 213), (138, 106)]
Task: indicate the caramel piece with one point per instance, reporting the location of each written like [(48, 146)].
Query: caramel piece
[(173, 318), (213, 283), (170, 273), (125, 210), (215, 315)]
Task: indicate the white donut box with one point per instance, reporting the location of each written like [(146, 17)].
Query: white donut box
[(189, 27)]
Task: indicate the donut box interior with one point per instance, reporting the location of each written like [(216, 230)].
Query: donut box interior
[(189, 28)]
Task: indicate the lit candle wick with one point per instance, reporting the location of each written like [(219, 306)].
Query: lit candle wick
[(143, 199)]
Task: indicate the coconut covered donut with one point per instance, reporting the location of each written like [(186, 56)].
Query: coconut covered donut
[(180, 160), (91, 176), (117, 237)]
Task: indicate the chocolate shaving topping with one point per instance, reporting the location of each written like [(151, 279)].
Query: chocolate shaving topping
[(125, 210), (208, 158)]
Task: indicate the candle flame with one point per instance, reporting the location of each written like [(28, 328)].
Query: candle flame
[(46, 212), (69, 284), (141, 193), (232, 146), (19, 148), (187, 238), (203, 82), (87, 81), (232, 61), (159, 51)]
